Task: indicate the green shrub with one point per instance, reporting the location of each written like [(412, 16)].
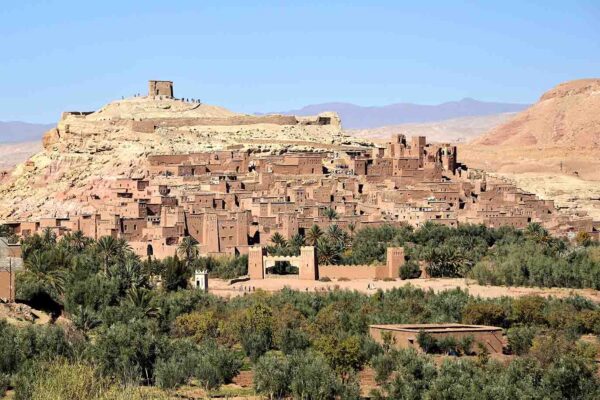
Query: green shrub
[(520, 339), (272, 375), (410, 270), (427, 342), (484, 314)]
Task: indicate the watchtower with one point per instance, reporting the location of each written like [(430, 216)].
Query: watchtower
[(160, 88)]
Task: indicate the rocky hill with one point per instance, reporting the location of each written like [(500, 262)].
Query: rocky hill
[(551, 148), (567, 115), (86, 151)]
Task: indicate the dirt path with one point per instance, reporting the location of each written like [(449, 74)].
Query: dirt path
[(222, 288)]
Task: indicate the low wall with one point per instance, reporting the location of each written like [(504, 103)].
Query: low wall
[(354, 271)]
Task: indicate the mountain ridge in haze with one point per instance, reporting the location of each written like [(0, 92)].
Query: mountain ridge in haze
[(19, 132), (363, 117)]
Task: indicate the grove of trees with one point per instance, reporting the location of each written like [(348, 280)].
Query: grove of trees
[(122, 325)]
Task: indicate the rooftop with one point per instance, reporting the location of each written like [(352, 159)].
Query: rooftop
[(436, 328)]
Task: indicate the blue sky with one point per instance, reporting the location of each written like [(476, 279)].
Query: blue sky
[(277, 55)]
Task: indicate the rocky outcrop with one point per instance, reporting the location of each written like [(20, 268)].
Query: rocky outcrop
[(51, 137)]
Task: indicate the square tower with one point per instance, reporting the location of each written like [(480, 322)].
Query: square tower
[(160, 88)]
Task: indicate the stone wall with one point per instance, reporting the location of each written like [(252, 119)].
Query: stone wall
[(160, 88), (353, 271)]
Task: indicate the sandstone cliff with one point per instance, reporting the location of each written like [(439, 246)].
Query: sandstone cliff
[(87, 150)]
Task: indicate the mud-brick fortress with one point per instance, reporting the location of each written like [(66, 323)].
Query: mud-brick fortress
[(233, 200)]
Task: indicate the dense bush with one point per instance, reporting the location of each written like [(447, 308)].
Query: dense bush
[(410, 270), (408, 375)]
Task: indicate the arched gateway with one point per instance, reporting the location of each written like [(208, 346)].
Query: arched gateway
[(308, 268)]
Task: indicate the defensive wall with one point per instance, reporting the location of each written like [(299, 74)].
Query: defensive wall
[(309, 269)]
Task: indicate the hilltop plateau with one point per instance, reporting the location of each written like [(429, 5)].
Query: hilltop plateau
[(90, 149)]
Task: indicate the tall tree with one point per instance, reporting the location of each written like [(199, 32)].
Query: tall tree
[(188, 249), (41, 273), (313, 235), (108, 248)]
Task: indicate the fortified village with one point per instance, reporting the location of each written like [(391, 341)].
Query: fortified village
[(233, 199)]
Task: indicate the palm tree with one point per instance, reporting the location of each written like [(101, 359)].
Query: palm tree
[(278, 240), (140, 298), (313, 235), (39, 271), (79, 241), (48, 237), (296, 241), (188, 249), (330, 213), (84, 320), (132, 272), (327, 252), (108, 248), (352, 229), (537, 232), (175, 274), (335, 233)]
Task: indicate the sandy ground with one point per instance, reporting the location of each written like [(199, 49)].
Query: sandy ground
[(222, 288)]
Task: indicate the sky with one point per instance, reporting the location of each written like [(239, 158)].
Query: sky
[(262, 56)]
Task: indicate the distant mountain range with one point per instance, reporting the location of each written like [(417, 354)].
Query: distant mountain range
[(353, 116), (455, 130), (19, 132), (361, 117)]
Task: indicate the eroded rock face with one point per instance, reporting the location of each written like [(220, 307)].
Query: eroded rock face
[(50, 137), (86, 150)]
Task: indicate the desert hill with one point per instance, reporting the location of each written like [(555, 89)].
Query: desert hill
[(86, 151), (366, 117), (551, 148), (567, 115)]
